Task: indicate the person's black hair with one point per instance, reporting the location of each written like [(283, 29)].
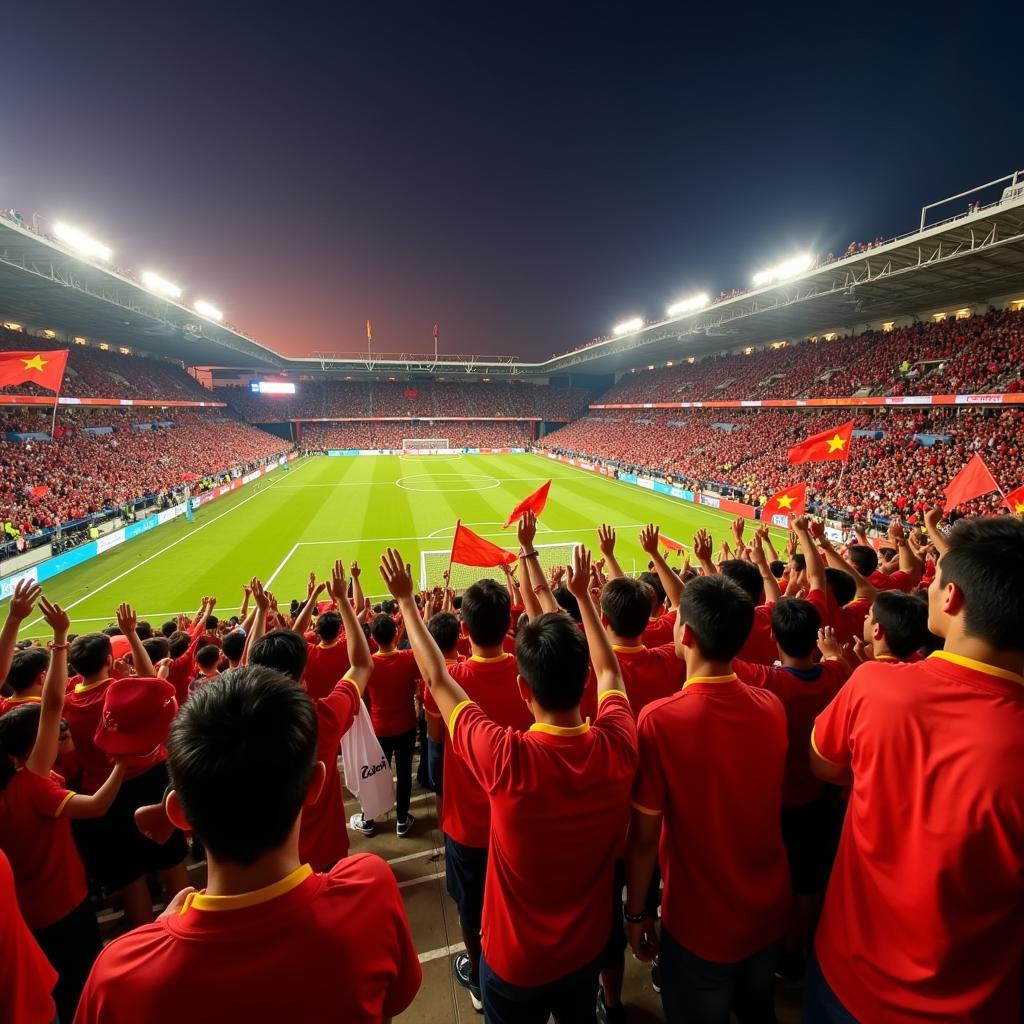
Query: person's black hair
[(746, 575), (457, 602), (567, 602), (842, 585), (281, 649), (26, 667), (18, 730), (179, 642), (328, 626), (777, 567), (720, 613), (144, 630), (553, 659), (795, 625), (903, 619), (169, 627), (626, 604), (444, 628), (389, 607), (157, 648), (799, 561), (863, 558), (241, 755), (383, 630), (985, 559), (113, 631), (89, 652), (486, 612), (212, 622), (233, 645), (887, 553), (654, 582), (207, 656)]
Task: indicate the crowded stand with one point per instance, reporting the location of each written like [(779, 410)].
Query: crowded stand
[(897, 467), (426, 399), (93, 372), (661, 764), (377, 436)]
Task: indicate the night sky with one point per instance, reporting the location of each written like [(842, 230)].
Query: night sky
[(526, 175)]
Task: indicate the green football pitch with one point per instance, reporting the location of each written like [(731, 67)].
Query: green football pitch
[(325, 508)]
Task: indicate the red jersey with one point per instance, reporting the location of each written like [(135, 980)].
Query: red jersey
[(712, 762), (491, 683), (550, 789), (26, 977), (48, 872), (760, 647), (659, 630), (391, 692), (922, 917), (804, 694), (311, 948), (649, 673), (325, 665), (10, 703), (323, 837), (898, 580)]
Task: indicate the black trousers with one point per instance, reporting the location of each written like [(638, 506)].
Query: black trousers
[(399, 750), (71, 945)]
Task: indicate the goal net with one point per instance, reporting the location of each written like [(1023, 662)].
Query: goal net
[(433, 565), (425, 444)]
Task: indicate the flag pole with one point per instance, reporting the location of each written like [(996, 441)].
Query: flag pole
[(451, 556), (53, 420)]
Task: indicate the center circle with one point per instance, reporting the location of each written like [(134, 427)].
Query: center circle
[(438, 483)]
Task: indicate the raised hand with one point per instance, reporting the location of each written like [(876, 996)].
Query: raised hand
[(737, 528), (311, 585), (702, 546), (397, 574), (578, 573), (649, 539), (56, 618), (337, 587), (355, 571), (526, 531), (606, 540), (259, 595), (800, 524), (23, 600), (127, 620), (829, 646)]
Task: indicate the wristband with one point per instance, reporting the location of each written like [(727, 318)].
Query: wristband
[(58, 647), (635, 918), (529, 554)]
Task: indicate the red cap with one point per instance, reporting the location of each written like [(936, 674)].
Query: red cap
[(136, 715), (119, 646)]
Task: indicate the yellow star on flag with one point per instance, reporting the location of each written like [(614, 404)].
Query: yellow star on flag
[(1019, 508), (836, 444), (37, 362), (786, 501)]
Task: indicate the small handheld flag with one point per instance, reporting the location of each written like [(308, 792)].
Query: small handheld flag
[(828, 446), (785, 506), (1015, 501), (972, 481), (671, 545), (533, 503), (469, 548)]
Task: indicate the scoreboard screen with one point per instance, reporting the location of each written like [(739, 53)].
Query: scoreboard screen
[(272, 387)]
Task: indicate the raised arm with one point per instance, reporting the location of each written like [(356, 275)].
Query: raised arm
[(703, 548), (606, 542), (44, 750), (127, 622), (447, 694), (358, 598), (23, 600), (259, 623), (909, 562), (772, 592), (815, 567), (244, 610), (602, 657), (535, 579), (313, 592), (360, 660), (766, 540), (673, 585)]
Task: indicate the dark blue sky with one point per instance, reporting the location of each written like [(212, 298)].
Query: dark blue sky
[(525, 174)]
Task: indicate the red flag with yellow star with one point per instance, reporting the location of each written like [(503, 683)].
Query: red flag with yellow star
[(1015, 501), (43, 368), (785, 505), (828, 446)]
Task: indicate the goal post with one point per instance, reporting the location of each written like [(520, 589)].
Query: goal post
[(433, 565), (425, 444)]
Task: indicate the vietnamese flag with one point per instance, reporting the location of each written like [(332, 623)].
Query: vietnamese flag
[(791, 502), (534, 503), (469, 548), (828, 446), (971, 482), (1015, 501), (43, 368), (671, 545)]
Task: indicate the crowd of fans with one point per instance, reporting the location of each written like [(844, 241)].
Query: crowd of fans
[(708, 765), (372, 436), (896, 473)]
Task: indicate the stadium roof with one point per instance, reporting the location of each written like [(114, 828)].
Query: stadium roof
[(956, 262)]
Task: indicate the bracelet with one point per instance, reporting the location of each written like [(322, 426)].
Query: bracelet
[(529, 554), (58, 647), (635, 918)]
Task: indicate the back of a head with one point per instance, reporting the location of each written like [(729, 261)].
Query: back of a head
[(208, 656), (777, 568), (233, 645), (746, 575), (144, 630), (169, 627), (18, 729), (212, 622), (654, 582), (720, 613), (567, 602), (444, 628), (179, 642), (486, 612), (842, 585), (281, 649), (383, 630), (26, 667), (89, 652), (241, 756), (985, 560), (328, 626), (113, 631), (904, 620), (626, 604), (862, 558), (157, 648), (795, 624), (552, 656)]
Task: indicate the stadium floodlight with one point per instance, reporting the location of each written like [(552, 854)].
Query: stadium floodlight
[(155, 283), (207, 309), (788, 268), (629, 326), (690, 305), (82, 242)]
